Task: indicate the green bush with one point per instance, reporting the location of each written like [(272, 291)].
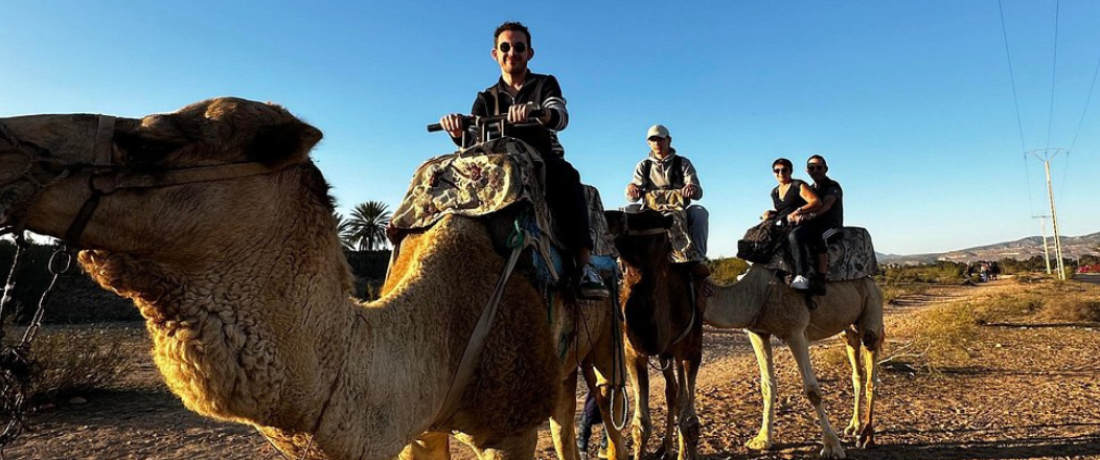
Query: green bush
[(725, 271)]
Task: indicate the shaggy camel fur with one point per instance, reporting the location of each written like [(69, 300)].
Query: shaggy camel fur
[(764, 306), (246, 292), (661, 321)]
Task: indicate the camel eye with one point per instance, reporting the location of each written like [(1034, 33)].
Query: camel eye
[(142, 150)]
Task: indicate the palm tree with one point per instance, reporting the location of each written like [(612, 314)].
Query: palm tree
[(343, 229), (367, 226)]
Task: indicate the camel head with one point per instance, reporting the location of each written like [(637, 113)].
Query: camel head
[(644, 247), (149, 176)]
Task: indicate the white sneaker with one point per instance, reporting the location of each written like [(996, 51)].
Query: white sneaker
[(800, 282)]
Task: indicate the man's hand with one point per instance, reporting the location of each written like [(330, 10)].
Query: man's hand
[(689, 191), (518, 113), (767, 215), (452, 124), (633, 191), (795, 217)]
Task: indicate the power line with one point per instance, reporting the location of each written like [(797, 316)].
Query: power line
[(1016, 101), (1086, 109), (1053, 72), (1080, 124)]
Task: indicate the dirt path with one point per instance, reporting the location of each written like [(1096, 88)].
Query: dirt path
[(1029, 393)]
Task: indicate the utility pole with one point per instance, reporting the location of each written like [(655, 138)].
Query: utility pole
[(1046, 252), (1047, 155)]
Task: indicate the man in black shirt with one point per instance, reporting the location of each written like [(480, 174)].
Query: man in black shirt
[(518, 93), (829, 218)]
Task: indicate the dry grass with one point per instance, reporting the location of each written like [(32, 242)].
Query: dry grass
[(74, 360), (948, 334)]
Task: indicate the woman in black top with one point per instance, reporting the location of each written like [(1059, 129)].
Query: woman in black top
[(794, 200)]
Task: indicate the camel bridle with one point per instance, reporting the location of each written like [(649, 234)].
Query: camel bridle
[(107, 176)]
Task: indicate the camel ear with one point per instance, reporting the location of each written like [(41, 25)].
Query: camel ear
[(615, 222), (284, 143)]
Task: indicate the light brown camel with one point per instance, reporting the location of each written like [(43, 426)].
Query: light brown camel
[(661, 321), (219, 227), (765, 306)]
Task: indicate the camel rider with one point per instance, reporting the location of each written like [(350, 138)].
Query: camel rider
[(794, 201), (664, 169), (517, 93), (829, 218)]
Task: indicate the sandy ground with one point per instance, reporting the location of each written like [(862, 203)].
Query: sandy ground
[(1029, 393)]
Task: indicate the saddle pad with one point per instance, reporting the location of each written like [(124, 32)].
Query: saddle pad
[(665, 200), (852, 256), (679, 236), (602, 242), (475, 182)]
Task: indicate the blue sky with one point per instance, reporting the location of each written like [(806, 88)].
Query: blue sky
[(910, 101)]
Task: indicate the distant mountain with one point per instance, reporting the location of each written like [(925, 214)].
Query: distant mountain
[(1024, 248)]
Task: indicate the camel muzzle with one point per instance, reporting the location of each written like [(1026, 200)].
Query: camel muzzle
[(29, 164)]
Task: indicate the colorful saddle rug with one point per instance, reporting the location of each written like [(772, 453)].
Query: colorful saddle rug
[(474, 182), (486, 178), (672, 203), (851, 256)]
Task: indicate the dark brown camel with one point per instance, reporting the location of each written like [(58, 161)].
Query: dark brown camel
[(662, 320)]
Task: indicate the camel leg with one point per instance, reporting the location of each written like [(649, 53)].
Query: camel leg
[(688, 421), (561, 421), (606, 400), (509, 447), (851, 343), (762, 346), (870, 363), (639, 380), (800, 348), (672, 402), (430, 446)]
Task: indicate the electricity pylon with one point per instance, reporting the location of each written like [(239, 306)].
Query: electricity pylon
[(1045, 155)]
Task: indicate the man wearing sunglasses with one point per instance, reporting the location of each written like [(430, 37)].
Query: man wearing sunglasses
[(518, 93), (829, 218)]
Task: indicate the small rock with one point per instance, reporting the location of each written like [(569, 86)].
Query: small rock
[(78, 400), (998, 346)]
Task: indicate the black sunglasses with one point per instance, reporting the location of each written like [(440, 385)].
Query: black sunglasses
[(520, 47), (815, 167), (780, 170)]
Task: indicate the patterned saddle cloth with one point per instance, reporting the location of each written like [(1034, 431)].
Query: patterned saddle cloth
[(851, 256), (485, 178), (671, 203)]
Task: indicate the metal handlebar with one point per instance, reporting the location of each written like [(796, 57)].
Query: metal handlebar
[(475, 120)]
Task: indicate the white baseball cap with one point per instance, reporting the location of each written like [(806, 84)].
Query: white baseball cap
[(657, 131)]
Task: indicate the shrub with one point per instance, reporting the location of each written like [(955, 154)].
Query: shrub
[(75, 360), (726, 270)]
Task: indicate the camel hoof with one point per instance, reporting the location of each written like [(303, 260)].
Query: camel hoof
[(759, 443), (866, 438), (662, 454), (853, 429), (833, 452)]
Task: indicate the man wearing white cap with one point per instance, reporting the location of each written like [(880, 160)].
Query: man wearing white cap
[(663, 169)]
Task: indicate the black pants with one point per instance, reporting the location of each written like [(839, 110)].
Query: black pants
[(568, 206), (590, 415), (804, 242)]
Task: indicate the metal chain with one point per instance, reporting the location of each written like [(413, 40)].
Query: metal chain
[(16, 364)]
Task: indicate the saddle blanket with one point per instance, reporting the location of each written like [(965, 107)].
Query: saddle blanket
[(486, 178), (852, 256)]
